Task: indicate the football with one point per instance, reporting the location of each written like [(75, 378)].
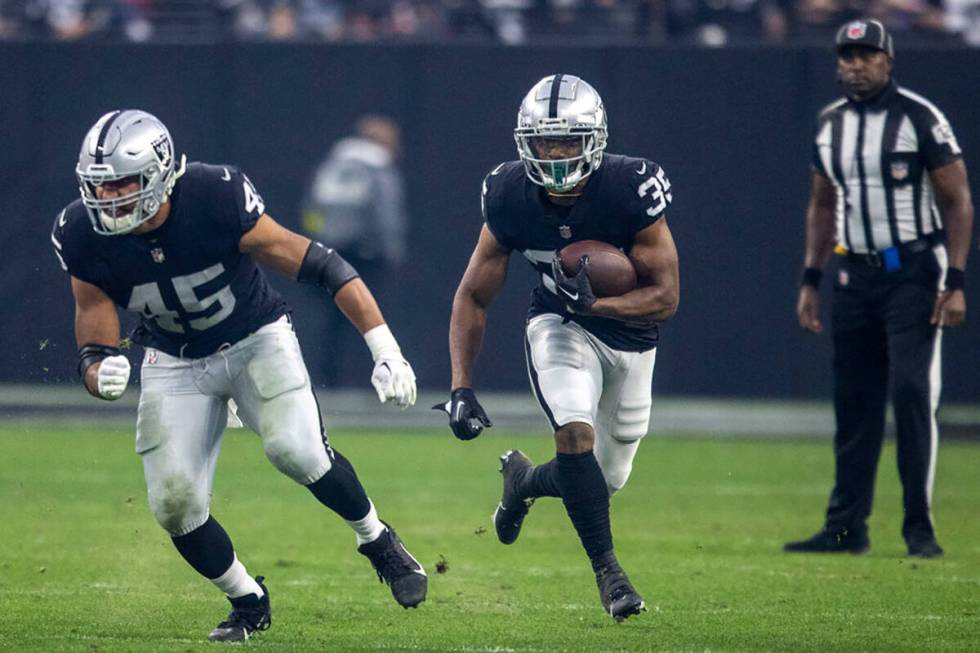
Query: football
[(611, 272)]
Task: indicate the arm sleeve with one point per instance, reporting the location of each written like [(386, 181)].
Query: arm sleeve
[(652, 190), (821, 138), (937, 142), (245, 205), (492, 215), (816, 163), (68, 241)]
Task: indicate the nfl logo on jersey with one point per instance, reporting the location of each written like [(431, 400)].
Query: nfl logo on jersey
[(157, 255), (565, 231)]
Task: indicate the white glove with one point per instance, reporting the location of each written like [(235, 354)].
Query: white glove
[(113, 377), (392, 378)]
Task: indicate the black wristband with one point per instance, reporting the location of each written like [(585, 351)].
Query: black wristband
[(91, 354), (955, 279), (811, 277)]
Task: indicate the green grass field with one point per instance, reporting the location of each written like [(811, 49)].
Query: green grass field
[(83, 566)]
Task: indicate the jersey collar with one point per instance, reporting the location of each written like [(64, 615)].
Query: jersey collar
[(880, 101)]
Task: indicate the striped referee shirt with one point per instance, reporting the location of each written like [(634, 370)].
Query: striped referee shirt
[(878, 154)]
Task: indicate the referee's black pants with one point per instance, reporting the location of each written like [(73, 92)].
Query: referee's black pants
[(883, 339)]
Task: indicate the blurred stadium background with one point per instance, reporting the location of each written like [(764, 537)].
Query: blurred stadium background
[(270, 85)]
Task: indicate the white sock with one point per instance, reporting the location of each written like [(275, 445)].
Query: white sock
[(236, 582), (369, 528)]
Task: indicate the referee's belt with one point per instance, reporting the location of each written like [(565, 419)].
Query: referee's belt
[(906, 250)]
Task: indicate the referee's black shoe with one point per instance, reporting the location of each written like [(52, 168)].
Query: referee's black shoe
[(839, 541), (512, 509), (926, 547)]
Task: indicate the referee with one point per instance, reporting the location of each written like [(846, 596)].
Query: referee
[(890, 187)]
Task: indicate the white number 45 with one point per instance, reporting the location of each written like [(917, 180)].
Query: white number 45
[(253, 201)]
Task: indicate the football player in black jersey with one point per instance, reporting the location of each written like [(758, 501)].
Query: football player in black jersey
[(179, 244), (590, 359)]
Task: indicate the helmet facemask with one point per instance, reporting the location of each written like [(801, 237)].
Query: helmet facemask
[(121, 213), (566, 109), (560, 175)]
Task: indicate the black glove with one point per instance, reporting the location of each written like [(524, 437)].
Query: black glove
[(466, 416), (575, 291)]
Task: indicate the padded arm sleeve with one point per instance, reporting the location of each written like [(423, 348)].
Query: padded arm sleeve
[(324, 267)]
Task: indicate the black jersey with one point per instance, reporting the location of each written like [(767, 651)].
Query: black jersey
[(624, 196), (191, 286)]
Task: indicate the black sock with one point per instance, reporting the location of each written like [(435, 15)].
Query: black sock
[(207, 548), (340, 490), (586, 499), (541, 481)]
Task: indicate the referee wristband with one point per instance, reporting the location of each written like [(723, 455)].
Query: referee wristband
[(812, 277), (955, 279)]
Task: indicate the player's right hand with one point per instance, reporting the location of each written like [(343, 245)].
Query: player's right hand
[(113, 377), (394, 380), (575, 291), (808, 309), (467, 418)]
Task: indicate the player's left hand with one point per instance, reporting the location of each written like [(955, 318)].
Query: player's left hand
[(467, 419), (393, 379), (950, 309), (113, 377), (575, 291)]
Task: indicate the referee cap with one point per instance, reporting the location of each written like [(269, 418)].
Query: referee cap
[(867, 32)]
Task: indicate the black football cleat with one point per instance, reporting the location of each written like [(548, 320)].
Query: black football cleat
[(249, 614), (512, 509), (924, 548), (842, 541), (397, 567), (616, 592)]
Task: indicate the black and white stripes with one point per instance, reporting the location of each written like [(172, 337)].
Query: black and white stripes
[(878, 155)]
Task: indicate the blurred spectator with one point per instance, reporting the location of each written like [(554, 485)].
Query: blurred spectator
[(356, 205), (914, 21), (711, 23), (72, 20), (963, 18), (816, 21), (716, 23)]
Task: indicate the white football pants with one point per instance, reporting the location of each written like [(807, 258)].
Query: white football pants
[(578, 378), (183, 408)]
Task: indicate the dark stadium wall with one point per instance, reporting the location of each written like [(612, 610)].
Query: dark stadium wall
[(731, 127)]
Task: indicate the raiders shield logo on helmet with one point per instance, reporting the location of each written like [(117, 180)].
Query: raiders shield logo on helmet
[(161, 147)]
